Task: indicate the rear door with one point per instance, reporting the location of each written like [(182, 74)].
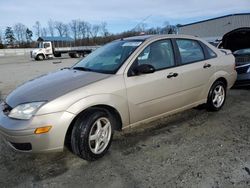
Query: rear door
[(196, 68), (156, 93)]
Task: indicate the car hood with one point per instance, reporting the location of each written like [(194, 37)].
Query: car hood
[(51, 86)]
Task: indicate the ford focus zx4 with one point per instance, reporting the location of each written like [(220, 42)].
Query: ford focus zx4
[(122, 84)]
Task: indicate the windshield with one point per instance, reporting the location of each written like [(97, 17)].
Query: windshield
[(109, 58), (242, 51)]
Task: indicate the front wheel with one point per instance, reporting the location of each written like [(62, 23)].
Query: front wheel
[(40, 57), (92, 134), (217, 96)]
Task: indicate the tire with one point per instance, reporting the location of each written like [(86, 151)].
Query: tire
[(92, 134), (216, 96), (77, 55), (40, 57)]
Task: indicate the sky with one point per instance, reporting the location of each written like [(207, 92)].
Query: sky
[(119, 15)]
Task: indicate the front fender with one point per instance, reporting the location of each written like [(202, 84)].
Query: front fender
[(117, 102)]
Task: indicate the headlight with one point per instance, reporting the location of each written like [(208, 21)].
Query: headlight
[(25, 111)]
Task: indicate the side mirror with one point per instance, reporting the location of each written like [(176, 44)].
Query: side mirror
[(144, 69)]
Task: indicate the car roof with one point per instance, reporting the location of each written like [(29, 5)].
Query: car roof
[(158, 36)]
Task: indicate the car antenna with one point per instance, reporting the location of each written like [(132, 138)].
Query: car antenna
[(143, 20)]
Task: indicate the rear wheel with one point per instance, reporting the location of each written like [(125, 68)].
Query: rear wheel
[(216, 96), (77, 55), (92, 134)]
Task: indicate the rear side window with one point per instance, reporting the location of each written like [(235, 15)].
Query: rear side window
[(211, 53), (190, 51)]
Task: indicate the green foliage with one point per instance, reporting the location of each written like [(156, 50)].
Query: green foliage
[(9, 36), (29, 35)]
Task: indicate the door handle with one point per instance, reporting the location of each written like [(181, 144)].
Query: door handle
[(207, 65), (172, 74)]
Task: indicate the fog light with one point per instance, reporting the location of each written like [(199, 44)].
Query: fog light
[(42, 130)]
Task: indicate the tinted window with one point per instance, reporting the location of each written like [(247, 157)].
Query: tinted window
[(190, 51), (158, 54)]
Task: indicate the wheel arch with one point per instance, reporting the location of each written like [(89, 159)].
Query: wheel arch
[(108, 108), (40, 54)]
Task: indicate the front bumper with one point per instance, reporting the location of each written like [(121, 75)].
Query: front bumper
[(19, 134)]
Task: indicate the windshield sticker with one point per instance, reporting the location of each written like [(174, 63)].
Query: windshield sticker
[(132, 44)]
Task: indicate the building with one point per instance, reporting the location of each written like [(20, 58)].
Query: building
[(215, 28)]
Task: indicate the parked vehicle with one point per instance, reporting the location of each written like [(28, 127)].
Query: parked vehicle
[(238, 42), (49, 47), (120, 85), (242, 58)]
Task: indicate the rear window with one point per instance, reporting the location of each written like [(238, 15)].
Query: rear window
[(190, 51)]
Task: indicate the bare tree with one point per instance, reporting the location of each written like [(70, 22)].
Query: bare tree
[(20, 32), (43, 32), (104, 30), (141, 27), (66, 31), (62, 29), (95, 30), (84, 29), (75, 28), (59, 28), (51, 27), (37, 28), (168, 28), (88, 29)]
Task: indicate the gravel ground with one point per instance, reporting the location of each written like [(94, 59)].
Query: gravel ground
[(194, 148)]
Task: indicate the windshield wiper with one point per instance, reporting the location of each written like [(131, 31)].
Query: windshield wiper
[(82, 69)]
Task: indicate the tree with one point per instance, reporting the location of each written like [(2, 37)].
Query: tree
[(95, 30), (1, 39), (75, 28), (62, 29), (37, 28), (84, 29), (104, 30), (9, 36), (43, 32), (51, 27), (169, 29), (28, 35), (20, 30)]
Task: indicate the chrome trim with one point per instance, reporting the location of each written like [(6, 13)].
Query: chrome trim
[(240, 66)]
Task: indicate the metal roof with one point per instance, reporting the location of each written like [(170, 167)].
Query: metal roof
[(58, 38), (240, 14)]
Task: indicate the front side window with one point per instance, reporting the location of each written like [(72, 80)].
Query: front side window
[(158, 54), (109, 58), (46, 45), (190, 51)]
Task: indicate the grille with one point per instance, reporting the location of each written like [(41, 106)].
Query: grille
[(242, 70), (6, 108), (242, 59)]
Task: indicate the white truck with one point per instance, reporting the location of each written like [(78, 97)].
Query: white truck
[(49, 47)]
